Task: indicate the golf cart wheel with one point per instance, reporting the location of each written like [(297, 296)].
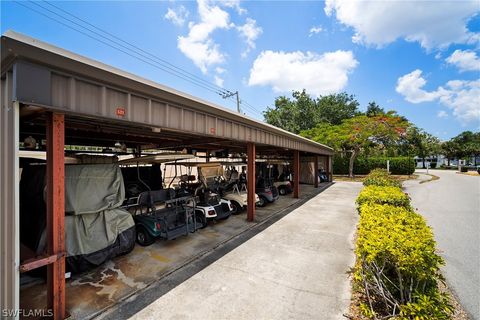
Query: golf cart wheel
[(201, 220), (282, 191), (237, 208), (143, 237), (262, 202)]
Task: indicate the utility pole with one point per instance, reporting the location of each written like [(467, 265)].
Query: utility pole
[(229, 94)]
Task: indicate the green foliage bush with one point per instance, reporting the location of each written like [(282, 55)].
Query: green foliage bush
[(383, 195), (434, 305), (398, 165), (397, 266), (463, 169), (380, 177)]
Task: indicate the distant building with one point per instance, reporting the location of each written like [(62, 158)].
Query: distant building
[(439, 160)]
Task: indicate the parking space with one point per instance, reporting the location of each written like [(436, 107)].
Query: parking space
[(93, 292)]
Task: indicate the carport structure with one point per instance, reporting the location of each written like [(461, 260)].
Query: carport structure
[(61, 98)]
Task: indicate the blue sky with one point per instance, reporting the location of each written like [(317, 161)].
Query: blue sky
[(420, 58)]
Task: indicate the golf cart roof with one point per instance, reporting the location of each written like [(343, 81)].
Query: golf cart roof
[(157, 158), (195, 164), (42, 155), (243, 163)]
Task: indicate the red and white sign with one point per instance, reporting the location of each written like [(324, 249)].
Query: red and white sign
[(121, 112)]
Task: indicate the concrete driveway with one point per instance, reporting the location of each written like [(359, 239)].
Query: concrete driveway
[(294, 269), (451, 206)]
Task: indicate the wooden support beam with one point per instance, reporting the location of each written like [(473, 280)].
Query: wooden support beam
[(250, 181), (296, 174), (56, 213), (315, 171), (39, 262), (328, 169)]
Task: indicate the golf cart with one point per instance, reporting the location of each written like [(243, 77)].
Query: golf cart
[(322, 175), (227, 184), (264, 186), (158, 213), (278, 171), (208, 204), (96, 227)]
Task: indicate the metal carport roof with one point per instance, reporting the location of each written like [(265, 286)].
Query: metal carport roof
[(51, 77)]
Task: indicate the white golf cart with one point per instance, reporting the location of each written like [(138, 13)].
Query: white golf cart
[(208, 204), (226, 183)]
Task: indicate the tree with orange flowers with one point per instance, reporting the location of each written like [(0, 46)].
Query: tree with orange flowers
[(358, 133)]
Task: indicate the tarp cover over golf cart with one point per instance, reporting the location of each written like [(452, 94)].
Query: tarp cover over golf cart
[(95, 228)]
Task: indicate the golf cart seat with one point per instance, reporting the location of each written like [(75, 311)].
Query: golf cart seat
[(169, 213), (234, 175), (187, 178)]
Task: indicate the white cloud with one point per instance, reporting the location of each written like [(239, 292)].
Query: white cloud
[(315, 30), (234, 4), (177, 16), (442, 114), (218, 81), (220, 70), (463, 98), (410, 86), (460, 96), (434, 24), (318, 74), (465, 60), (249, 32), (198, 46)]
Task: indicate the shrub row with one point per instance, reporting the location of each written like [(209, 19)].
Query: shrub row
[(397, 267), (383, 195), (380, 177), (398, 165)]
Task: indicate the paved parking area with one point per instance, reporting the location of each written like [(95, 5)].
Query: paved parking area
[(126, 278), (296, 268)]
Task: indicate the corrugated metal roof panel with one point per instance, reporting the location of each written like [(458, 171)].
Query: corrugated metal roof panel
[(84, 86)]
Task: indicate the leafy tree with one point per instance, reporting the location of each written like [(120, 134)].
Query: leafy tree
[(335, 108), (450, 149), (304, 112), (468, 144), (294, 114), (357, 134), (422, 143), (373, 109)]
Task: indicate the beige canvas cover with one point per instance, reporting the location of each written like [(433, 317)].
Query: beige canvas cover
[(93, 188)]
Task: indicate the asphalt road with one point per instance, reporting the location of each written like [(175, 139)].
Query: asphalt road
[(451, 206)]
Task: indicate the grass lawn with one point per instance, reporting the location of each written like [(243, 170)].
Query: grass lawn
[(470, 173)]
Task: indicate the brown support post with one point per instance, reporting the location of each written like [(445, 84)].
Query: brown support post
[(296, 174), (328, 164), (315, 171), (56, 213), (250, 181)]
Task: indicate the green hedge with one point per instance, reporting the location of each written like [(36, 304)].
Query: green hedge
[(398, 165), (383, 195), (397, 266), (380, 177)]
